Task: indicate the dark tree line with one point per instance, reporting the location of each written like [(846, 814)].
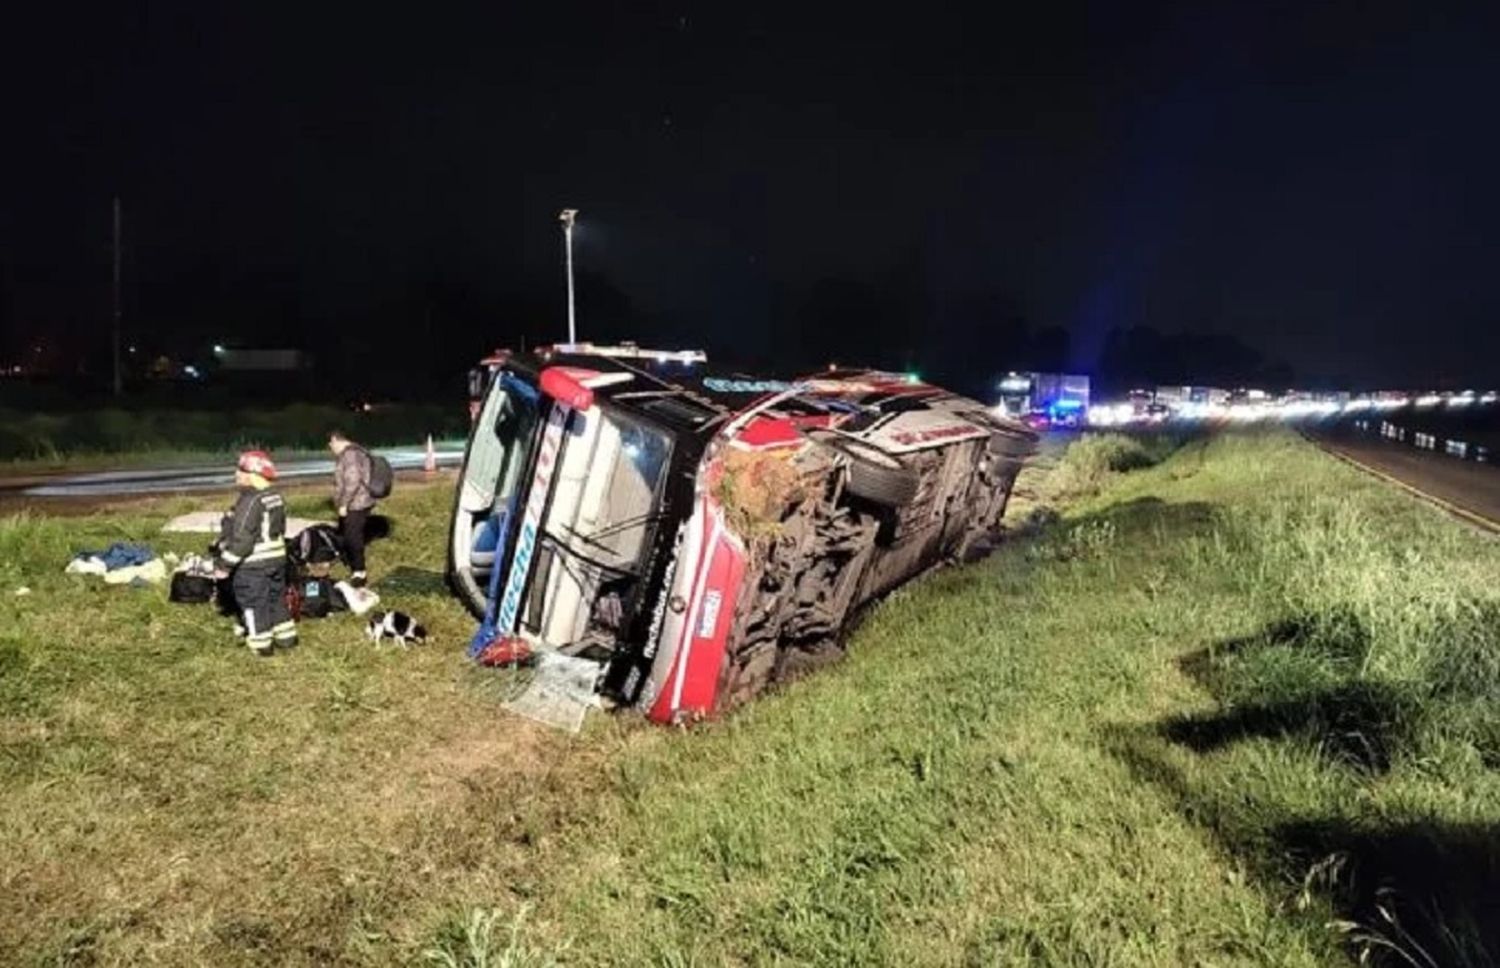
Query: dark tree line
[(1143, 356), (418, 344)]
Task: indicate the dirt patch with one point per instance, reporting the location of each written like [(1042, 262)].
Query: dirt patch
[(294, 866), (757, 488), (450, 764)]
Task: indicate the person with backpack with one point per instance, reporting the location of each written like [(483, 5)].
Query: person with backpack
[(359, 479), (251, 554)]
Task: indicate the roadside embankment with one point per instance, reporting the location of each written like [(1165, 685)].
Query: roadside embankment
[(1236, 705)]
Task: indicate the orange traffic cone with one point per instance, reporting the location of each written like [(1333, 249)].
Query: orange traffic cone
[(429, 462)]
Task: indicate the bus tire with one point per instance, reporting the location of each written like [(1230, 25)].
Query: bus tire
[(874, 475)]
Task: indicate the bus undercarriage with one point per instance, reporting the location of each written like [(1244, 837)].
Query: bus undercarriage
[(701, 537)]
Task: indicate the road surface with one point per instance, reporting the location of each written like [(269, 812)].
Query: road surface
[(1470, 487), (209, 477)]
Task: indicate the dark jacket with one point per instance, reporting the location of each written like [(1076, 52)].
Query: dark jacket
[(351, 479), (254, 531)]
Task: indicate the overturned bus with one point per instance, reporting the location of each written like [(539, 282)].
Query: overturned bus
[(702, 536)]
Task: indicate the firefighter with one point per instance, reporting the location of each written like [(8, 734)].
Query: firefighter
[(252, 554)]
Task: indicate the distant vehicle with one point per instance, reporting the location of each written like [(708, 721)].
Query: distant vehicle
[(701, 536), (1186, 397), (1061, 399), (1065, 413), (261, 360)]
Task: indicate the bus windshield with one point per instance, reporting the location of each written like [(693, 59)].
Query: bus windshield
[(597, 529), (499, 447)]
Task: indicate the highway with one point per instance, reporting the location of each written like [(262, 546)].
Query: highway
[(203, 477), (1467, 488)]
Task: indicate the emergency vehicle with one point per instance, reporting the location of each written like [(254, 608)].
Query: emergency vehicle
[(699, 535)]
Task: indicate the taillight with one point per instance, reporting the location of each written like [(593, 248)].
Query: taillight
[(565, 388)]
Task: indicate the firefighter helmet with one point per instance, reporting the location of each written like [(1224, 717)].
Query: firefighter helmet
[(259, 463)]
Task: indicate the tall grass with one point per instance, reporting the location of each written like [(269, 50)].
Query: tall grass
[(1229, 708), (1411, 612), (480, 941), (1092, 460), (1375, 654)]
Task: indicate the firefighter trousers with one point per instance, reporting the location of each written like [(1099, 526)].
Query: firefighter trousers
[(260, 594)]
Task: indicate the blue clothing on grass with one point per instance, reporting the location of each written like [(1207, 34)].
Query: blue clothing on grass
[(121, 554)]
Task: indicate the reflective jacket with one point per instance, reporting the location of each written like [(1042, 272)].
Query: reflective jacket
[(254, 530)]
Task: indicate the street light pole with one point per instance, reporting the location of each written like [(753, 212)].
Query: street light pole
[(567, 216), (115, 328)]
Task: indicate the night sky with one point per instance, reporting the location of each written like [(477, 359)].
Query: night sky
[(911, 185)]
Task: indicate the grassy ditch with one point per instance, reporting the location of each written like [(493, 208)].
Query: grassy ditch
[(1091, 461), (1236, 707)]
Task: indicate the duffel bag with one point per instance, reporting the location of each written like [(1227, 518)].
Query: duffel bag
[(191, 589), (316, 545)]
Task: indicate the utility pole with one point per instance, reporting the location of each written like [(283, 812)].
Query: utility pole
[(116, 329), (567, 217)]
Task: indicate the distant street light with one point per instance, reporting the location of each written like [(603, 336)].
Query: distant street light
[(115, 332), (567, 217)]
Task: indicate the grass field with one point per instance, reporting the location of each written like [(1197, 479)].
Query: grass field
[(1235, 707)]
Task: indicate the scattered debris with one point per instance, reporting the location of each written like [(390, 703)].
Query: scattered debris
[(561, 691)]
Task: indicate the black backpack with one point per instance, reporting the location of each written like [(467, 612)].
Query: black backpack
[(317, 597), (382, 477)]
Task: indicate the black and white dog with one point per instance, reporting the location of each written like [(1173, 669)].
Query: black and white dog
[(396, 625)]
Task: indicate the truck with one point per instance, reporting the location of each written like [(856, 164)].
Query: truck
[(701, 536), (1054, 399)]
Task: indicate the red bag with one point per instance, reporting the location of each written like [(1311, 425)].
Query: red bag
[(293, 598), (506, 650)]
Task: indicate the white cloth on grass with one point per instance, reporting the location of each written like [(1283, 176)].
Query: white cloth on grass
[(153, 571), (359, 600)]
